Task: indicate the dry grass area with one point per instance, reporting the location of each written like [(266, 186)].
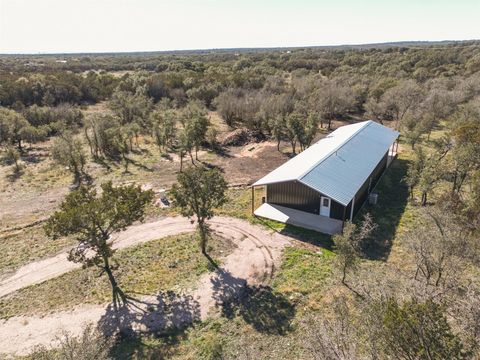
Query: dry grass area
[(27, 245), (38, 188)]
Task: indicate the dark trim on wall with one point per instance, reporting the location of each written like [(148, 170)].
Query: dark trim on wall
[(295, 195)]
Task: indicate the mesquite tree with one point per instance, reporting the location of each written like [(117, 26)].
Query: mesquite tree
[(198, 192), (348, 245), (68, 151)]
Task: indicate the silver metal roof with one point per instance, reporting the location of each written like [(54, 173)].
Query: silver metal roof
[(338, 164)]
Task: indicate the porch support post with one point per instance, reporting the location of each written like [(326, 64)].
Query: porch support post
[(253, 200), (344, 215), (351, 209)]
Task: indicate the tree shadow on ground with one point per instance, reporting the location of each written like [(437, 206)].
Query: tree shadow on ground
[(139, 165), (102, 162), (211, 166), (33, 158), (165, 316), (226, 289), (221, 151), (15, 175), (392, 200), (152, 347), (158, 315), (141, 151), (260, 306), (167, 156)]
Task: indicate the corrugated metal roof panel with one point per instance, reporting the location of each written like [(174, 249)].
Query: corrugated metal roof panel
[(339, 164), (294, 168)]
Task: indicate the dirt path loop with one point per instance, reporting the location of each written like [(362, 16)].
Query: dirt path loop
[(252, 263)]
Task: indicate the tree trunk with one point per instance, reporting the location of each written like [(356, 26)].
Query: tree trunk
[(17, 167), (278, 144), (77, 176), (203, 236), (117, 294), (424, 198), (125, 160), (454, 184), (460, 183), (181, 161), (96, 144), (191, 157), (344, 275), (89, 141)]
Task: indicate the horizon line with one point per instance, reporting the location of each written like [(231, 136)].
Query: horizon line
[(387, 43)]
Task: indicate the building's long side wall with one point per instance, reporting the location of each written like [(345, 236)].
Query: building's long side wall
[(362, 194), (379, 170)]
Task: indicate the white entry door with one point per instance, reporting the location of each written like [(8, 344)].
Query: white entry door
[(325, 206)]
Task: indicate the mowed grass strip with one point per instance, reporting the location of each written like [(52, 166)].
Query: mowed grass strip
[(169, 263), (304, 274), (239, 202)]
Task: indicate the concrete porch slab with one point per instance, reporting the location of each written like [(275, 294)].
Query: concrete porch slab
[(299, 218)]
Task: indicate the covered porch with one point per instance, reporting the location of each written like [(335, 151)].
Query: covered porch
[(299, 218)]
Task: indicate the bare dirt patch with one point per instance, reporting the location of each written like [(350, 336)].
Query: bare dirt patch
[(100, 108), (256, 149)]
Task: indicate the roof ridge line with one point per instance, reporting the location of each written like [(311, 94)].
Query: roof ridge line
[(367, 123)]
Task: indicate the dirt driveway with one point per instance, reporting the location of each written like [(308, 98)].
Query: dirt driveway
[(252, 263)]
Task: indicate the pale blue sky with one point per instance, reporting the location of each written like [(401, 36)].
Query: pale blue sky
[(32, 26)]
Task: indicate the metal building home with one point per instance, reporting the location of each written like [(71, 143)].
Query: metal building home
[(328, 183)]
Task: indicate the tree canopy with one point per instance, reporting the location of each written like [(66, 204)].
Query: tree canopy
[(92, 217)]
